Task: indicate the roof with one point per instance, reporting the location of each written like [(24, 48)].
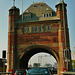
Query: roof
[(61, 2), (39, 8), (37, 12), (13, 7)]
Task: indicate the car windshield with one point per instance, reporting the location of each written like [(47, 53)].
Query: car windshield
[(38, 70)]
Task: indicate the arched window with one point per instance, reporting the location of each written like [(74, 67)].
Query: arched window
[(28, 30), (47, 15), (39, 28), (67, 55), (44, 15), (36, 29), (24, 29), (44, 28), (48, 27), (33, 29), (11, 28)]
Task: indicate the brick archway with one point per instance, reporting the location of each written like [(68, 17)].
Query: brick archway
[(28, 52)]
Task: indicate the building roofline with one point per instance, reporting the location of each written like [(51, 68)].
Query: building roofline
[(38, 21)]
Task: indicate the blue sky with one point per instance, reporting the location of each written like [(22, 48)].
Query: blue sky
[(5, 5)]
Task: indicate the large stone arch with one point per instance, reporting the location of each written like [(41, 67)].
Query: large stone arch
[(29, 51)]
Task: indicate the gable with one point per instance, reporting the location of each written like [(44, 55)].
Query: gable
[(40, 8), (38, 12)]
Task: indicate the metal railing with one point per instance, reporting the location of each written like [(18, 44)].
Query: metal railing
[(5, 73), (68, 73)]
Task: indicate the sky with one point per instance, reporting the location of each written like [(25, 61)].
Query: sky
[(5, 5)]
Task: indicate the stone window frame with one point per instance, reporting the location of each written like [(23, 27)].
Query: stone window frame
[(47, 15), (36, 29), (45, 28), (28, 29), (34, 6), (40, 29), (33, 29), (27, 16), (48, 28), (25, 29)]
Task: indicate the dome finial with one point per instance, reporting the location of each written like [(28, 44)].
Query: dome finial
[(62, 0), (13, 2), (33, 2)]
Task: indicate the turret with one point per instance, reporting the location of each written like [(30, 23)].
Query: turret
[(13, 17), (62, 15), (59, 7)]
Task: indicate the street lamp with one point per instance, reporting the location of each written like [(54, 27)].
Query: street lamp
[(22, 8), (13, 2)]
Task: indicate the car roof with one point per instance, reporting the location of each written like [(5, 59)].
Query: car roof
[(21, 70), (39, 67)]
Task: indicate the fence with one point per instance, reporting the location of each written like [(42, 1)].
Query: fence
[(68, 73), (5, 73)]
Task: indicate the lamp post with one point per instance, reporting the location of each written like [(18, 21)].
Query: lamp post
[(22, 8), (66, 51), (64, 22), (13, 2)]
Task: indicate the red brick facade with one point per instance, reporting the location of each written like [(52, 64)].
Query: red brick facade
[(24, 45)]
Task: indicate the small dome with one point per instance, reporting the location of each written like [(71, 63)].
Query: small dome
[(60, 2), (13, 7)]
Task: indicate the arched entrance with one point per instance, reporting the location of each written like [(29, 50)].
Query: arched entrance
[(42, 59), (28, 52)]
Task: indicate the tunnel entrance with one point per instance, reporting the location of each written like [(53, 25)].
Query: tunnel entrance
[(29, 52), (42, 59)]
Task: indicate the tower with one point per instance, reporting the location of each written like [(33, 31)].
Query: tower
[(60, 9), (64, 31), (13, 17)]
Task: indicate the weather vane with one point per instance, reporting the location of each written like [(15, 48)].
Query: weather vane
[(62, 0), (22, 8), (13, 2)]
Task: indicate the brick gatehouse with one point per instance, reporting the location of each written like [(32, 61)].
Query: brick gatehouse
[(38, 29)]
